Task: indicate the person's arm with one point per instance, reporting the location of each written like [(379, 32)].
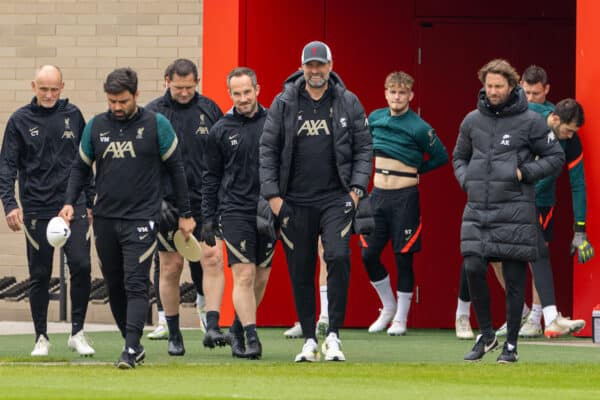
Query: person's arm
[(9, 158), (270, 155), (81, 172), (362, 148), (574, 161), (171, 157), (461, 156), (431, 144), (89, 188), (211, 177), (550, 158)]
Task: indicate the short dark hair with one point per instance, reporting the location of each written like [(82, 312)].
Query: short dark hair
[(535, 74), (501, 67), (182, 67), (569, 110), (120, 80), (240, 71)]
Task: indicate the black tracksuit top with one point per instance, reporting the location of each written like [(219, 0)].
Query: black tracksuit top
[(38, 149)]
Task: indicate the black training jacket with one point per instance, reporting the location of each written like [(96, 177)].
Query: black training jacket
[(230, 184), (38, 149), (191, 122), (351, 138)]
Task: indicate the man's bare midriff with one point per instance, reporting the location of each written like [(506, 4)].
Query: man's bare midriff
[(389, 181)]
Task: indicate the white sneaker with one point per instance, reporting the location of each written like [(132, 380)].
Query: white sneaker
[(463, 327), (332, 348), (382, 322), (309, 353), (397, 329), (322, 326), (160, 333), (531, 329), (80, 344), (41, 348), (294, 332), (202, 316)]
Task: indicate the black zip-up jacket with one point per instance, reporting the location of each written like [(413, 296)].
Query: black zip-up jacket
[(192, 122), (128, 155), (230, 184), (499, 220), (38, 149), (351, 138)]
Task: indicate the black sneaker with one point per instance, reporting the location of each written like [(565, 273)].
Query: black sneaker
[(508, 356), (237, 343), (214, 337), (126, 360), (482, 346), (253, 348), (175, 345)]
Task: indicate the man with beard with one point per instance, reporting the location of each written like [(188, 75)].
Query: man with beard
[(503, 148), (231, 155), (128, 146), (315, 164)]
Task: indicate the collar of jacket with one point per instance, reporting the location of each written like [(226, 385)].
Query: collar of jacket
[(59, 105), (293, 83), (259, 114), (516, 104), (169, 102)]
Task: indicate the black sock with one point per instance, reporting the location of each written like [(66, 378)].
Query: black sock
[(236, 326), (212, 320), (173, 324), (251, 331)]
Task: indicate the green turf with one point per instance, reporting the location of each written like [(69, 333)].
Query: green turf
[(425, 364)]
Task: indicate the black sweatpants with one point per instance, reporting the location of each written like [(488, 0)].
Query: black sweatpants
[(300, 229), (40, 255), (515, 274), (125, 249)]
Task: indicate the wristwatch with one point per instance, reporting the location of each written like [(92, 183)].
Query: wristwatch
[(359, 192)]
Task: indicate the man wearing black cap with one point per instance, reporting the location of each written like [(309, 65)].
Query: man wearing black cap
[(315, 164)]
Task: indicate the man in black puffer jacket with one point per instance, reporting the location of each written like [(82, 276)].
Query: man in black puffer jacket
[(503, 148), (315, 164)]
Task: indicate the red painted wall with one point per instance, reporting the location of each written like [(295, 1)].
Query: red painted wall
[(587, 276), (370, 40)]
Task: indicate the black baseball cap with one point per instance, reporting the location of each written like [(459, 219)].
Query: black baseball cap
[(316, 51)]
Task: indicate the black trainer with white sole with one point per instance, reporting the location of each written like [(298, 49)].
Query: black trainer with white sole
[(482, 347)]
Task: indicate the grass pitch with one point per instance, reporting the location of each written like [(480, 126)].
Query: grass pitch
[(425, 364)]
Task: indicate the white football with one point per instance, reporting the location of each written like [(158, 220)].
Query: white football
[(57, 232)]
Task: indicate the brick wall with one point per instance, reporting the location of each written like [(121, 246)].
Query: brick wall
[(87, 39)]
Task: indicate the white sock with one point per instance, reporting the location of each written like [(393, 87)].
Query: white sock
[(404, 300), (463, 308), (200, 302), (550, 314), (161, 317), (525, 310), (324, 302), (536, 313), (384, 290)]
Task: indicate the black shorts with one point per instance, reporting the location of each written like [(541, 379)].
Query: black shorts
[(166, 233), (546, 220), (397, 217), (243, 242)]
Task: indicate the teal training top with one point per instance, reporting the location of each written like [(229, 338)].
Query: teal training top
[(545, 189), (407, 138)]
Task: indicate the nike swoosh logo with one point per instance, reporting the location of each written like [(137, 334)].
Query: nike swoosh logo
[(142, 237), (104, 133), (234, 136), (487, 348)]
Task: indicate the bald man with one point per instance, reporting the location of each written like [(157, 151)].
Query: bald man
[(40, 142)]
